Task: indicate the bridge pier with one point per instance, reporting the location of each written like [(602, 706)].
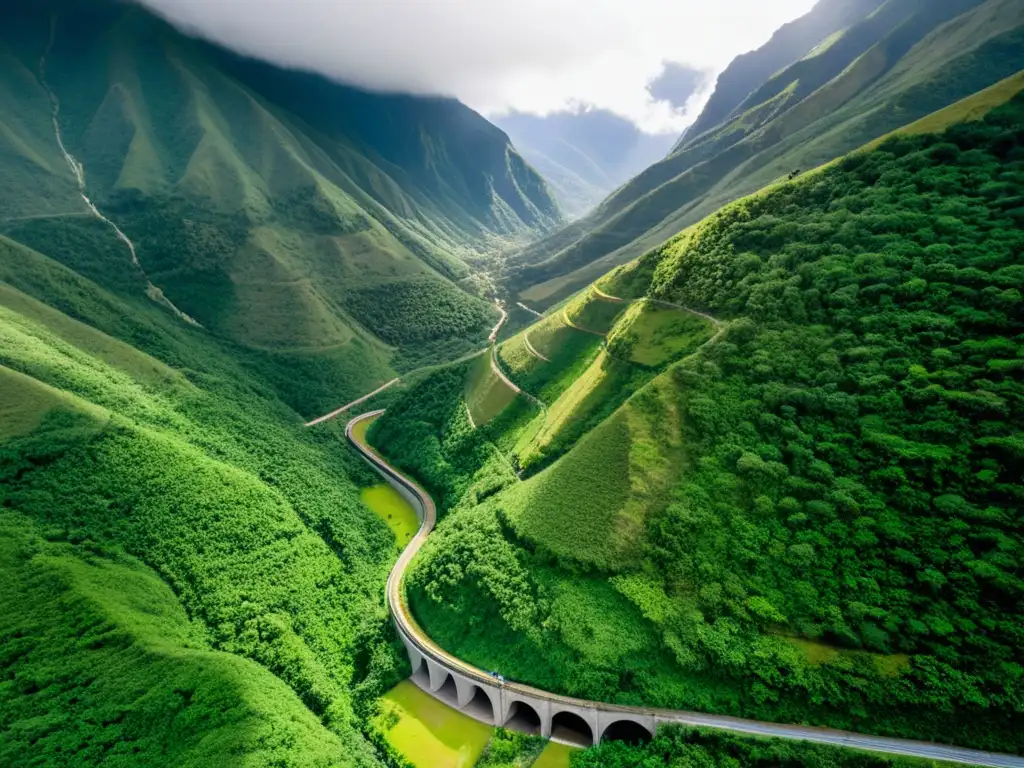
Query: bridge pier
[(438, 675)]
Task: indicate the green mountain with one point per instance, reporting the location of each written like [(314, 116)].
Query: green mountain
[(790, 43), (584, 155), (279, 210), (198, 252), (777, 471), (893, 64)]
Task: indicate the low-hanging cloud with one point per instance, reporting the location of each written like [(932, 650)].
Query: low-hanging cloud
[(530, 55)]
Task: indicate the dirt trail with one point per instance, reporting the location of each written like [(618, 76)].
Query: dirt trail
[(602, 295), (531, 311), (532, 350), (496, 369), (571, 324), (504, 316)]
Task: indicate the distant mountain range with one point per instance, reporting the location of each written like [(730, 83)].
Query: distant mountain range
[(584, 154), (280, 210), (844, 74)]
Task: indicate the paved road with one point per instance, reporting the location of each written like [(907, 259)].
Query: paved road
[(400, 611), (353, 404)]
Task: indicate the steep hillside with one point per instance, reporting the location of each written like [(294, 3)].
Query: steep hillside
[(789, 44), (901, 62), (810, 515), (584, 155), (276, 209), (190, 576)]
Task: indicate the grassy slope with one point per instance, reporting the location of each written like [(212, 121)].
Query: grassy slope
[(884, 88), (673, 502), (652, 335), (487, 395), (280, 226), (103, 665), (163, 444)]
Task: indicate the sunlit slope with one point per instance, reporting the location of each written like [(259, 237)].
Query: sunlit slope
[(130, 434), (592, 505), (585, 359), (119, 671), (767, 527), (872, 79), (323, 226)]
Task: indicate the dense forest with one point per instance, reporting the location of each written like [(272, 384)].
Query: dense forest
[(836, 537), (679, 747)]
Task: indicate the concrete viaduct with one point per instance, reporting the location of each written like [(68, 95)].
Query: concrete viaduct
[(520, 707)]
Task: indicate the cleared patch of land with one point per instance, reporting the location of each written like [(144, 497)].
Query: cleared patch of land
[(652, 335), (487, 394)]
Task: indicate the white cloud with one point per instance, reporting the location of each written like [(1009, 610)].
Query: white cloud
[(530, 55)]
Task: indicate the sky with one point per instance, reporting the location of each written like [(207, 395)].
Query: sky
[(536, 56)]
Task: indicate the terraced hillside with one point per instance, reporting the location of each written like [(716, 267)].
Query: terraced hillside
[(875, 68), (330, 231), (810, 515)]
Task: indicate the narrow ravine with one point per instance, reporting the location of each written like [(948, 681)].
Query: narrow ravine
[(78, 170)]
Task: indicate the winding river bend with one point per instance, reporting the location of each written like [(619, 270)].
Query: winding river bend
[(436, 668)]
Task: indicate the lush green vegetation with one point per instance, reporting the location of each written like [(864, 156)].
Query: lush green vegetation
[(428, 434), (593, 313), (815, 519), (652, 335), (680, 747), (487, 395), (777, 113), (508, 749), (569, 353), (161, 457), (307, 235), (423, 309), (101, 665)]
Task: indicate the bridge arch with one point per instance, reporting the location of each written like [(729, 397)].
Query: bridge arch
[(448, 692), (478, 702), (627, 728), (523, 717), (570, 727)]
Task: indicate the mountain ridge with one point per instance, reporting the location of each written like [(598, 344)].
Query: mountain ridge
[(883, 88)]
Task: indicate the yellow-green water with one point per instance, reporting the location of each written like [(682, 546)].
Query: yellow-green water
[(393, 510), (554, 756), (428, 733), (360, 429)]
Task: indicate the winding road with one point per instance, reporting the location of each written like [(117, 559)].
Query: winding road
[(414, 634)]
